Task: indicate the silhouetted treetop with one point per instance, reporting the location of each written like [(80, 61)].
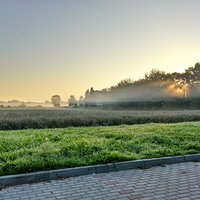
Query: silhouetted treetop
[(56, 100), (155, 75)]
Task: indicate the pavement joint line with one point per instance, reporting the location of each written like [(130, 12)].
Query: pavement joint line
[(35, 177)]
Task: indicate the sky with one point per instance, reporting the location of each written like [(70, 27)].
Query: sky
[(65, 47)]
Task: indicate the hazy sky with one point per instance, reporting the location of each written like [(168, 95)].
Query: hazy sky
[(66, 46)]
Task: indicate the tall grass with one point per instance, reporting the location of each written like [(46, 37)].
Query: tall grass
[(17, 119)]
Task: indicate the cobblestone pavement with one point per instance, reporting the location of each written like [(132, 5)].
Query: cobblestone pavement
[(176, 181)]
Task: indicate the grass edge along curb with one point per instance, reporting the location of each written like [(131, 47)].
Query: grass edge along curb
[(18, 179)]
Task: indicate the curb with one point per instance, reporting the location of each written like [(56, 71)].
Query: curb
[(19, 179)]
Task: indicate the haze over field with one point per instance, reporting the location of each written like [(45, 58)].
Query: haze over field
[(64, 47)]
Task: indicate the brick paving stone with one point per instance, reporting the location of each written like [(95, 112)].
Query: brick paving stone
[(171, 182)]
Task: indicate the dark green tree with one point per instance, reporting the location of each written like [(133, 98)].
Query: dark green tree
[(155, 75), (87, 92), (192, 74), (125, 82), (56, 100), (92, 91)]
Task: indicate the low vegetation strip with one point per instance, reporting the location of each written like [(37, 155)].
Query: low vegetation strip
[(26, 151), (18, 119)]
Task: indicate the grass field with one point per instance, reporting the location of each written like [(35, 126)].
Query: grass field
[(18, 119), (25, 151)]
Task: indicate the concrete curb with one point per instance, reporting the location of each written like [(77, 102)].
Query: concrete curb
[(78, 171)]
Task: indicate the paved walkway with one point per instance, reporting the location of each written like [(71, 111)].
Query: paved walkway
[(177, 181)]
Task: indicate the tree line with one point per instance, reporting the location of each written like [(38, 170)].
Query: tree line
[(157, 89)]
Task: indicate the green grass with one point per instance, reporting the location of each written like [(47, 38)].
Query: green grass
[(18, 119), (35, 150)]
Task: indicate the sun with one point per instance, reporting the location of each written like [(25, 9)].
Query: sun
[(178, 89)]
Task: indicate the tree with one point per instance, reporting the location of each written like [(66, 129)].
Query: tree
[(92, 91), (155, 75), (87, 92), (192, 74), (22, 105), (72, 101), (81, 101), (125, 82), (56, 100), (175, 76)]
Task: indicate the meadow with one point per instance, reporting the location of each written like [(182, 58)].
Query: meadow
[(24, 151), (28, 118)]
